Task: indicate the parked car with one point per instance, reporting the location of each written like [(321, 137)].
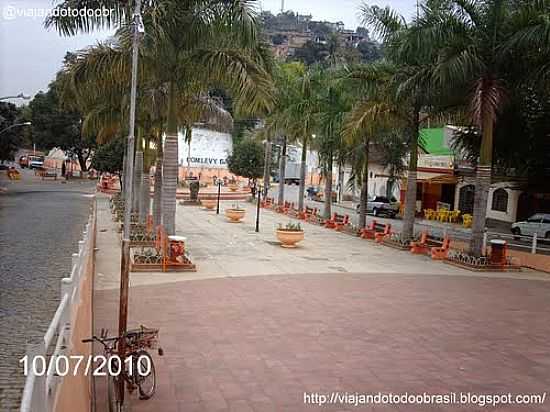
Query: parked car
[(381, 205), (539, 223), (36, 162)]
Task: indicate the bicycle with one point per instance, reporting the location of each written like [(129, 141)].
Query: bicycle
[(137, 369)]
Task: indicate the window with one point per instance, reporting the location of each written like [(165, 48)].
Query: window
[(500, 200), (466, 199), (535, 219)]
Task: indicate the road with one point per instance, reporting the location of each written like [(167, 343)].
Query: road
[(40, 226), (438, 229)]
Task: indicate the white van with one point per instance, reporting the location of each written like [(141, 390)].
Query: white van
[(35, 162)]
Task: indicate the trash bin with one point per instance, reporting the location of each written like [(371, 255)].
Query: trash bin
[(177, 248), (499, 251)]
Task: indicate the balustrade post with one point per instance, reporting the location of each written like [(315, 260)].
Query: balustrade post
[(534, 244)]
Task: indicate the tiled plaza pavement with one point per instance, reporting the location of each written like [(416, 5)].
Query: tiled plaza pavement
[(258, 343), (258, 325)]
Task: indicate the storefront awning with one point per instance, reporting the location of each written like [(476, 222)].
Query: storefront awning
[(434, 178)]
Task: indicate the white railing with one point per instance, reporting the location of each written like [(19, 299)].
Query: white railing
[(40, 389), (532, 244)]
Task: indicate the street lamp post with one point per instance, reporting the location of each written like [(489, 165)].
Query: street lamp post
[(259, 193), (15, 125), (137, 26), (219, 194)]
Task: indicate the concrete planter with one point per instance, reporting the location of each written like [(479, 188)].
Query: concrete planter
[(289, 238), (235, 215), (233, 187), (209, 204)]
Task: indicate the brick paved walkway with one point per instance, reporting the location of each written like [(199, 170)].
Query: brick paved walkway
[(257, 343)]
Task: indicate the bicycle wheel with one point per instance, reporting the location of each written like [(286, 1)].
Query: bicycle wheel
[(145, 377), (113, 396)]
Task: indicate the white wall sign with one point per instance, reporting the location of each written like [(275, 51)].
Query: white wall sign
[(209, 149)]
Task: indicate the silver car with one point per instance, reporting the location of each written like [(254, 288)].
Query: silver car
[(539, 223), (381, 205)]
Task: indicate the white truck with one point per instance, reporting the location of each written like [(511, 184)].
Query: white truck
[(292, 174)]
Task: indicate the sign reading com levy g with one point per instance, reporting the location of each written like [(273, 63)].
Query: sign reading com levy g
[(13, 11), (209, 149)]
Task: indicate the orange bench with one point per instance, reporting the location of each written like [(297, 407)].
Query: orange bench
[(307, 213), (441, 252), (421, 246), (337, 222), (285, 208), (380, 236), (267, 203), (376, 231)]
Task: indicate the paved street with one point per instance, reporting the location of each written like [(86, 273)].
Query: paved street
[(349, 208), (41, 223), (457, 232), (258, 325)]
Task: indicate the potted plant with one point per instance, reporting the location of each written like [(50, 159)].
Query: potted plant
[(235, 214), (209, 204), (233, 186), (290, 234)]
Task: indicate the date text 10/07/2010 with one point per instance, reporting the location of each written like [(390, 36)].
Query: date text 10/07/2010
[(97, 365)]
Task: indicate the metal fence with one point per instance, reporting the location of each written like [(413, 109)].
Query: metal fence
[(531, 244), (41, 386)]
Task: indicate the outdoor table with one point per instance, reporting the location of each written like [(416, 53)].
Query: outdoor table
[(176, 248)]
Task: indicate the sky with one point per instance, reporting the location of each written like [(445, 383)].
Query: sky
[(30, 55)]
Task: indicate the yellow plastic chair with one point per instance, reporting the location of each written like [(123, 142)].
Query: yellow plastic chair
[(442, 215), (467, 220), (453, 216), (429, 214)]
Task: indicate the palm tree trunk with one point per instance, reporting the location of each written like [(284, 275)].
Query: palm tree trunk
[(124, 171), (188, 156), (303, 166), (282, 170), (170, 167), (483, 183), (157, 195), (145, 196), (410, 197), (341, 182), (138, 181), (364, 190), (327, 211), (267, 166)]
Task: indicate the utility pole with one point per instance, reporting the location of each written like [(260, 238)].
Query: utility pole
[(282, 6), (138, 29)]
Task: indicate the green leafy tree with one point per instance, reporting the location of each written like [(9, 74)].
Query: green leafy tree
[(108, 157), (53, 125), (182, 39), (247, 159), (481, 50), (11, 138), (408, 89)]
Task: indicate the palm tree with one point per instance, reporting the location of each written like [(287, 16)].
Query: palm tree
[(479, 44), (334, 104), (296, 112), (409, 85), (373, 118), (181, 39)]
